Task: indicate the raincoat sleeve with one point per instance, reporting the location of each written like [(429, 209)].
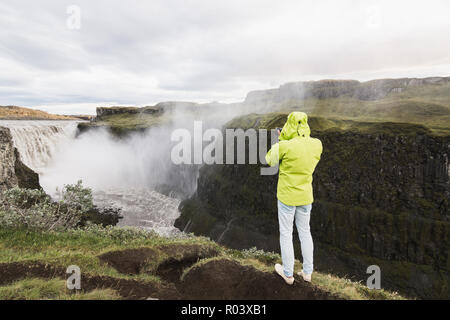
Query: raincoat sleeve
[(273, 156)]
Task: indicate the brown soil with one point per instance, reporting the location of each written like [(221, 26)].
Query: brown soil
[(10, 272), (127, 288), (180, 257), (215, 279), (129, 261), (177, 258), (227, 279), (132, 289)]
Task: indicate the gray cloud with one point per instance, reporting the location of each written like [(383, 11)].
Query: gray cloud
[(142, 52)]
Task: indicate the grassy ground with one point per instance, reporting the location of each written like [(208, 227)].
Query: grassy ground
[(83, 248), (20, 113), (277, 119), (415, 110), (428, 106)]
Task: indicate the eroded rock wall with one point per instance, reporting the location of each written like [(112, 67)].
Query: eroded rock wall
[(12, 171)]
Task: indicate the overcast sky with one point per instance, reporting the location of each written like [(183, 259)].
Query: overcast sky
[(143, 52)]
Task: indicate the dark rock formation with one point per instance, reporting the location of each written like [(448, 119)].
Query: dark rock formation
[(104, 112), (12, 170), (381, 198)]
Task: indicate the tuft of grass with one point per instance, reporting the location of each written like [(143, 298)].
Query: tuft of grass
[(204, 261), (53, 289), (348, 289), (254, 253)]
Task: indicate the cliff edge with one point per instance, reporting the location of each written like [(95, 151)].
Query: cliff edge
[(13, 172)]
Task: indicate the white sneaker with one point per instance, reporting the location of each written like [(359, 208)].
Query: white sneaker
[(279, 270), (306, 277)]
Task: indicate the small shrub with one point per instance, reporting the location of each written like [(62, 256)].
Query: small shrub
[(34, 209), (124, 235), (108, 216), (24, 208), (24, 198), (261, 255), (77, 197)]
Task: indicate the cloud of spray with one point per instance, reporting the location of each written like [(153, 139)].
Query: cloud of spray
[(100, 161), (141, 160)]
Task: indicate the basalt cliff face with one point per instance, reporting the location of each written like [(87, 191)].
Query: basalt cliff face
[(381, 197), (12, 170)]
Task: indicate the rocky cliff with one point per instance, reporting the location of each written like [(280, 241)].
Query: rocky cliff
[(104, 112), (381, 195), (122, 121), (12, 171)]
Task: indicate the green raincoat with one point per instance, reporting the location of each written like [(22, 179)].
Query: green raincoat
[(298, 154)]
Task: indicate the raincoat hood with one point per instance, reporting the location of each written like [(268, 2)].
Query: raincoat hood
[(297, 155), (296, 125)]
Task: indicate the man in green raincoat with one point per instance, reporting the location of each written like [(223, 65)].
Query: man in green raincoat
[(297, 155)]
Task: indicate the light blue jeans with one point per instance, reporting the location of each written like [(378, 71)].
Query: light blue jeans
[(286, 216)]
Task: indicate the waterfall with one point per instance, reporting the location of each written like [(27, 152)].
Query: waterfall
[(38, 141), (122, 173)]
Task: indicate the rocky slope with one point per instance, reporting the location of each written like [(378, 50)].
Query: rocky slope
[(381, 195), (12, 171)]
